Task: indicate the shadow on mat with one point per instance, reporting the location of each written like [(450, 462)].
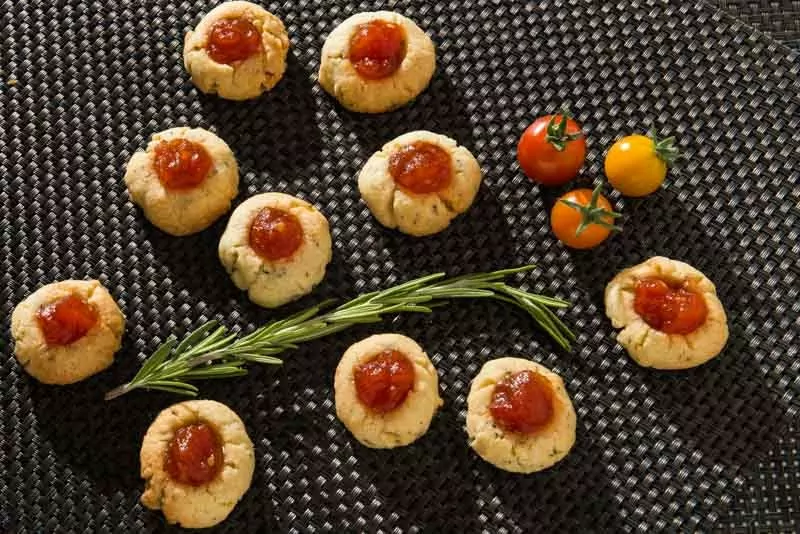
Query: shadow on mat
[(477, 240), (94, 438), (574, 495), (724, 408), (284, 117), (440, 109)]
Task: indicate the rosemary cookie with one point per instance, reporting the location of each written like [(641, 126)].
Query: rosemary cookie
[(276, 247), (519, 416), (197, 462), (386, 391), (67, 331), (669, 313), (184, 181), (375, 62), (419, 182), (238, 51)]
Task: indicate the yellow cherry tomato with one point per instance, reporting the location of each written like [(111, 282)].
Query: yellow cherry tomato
[(636, 165)]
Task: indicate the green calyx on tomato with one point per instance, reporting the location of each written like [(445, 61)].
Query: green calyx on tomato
[(591, 213), (665, 148), (557, 131)]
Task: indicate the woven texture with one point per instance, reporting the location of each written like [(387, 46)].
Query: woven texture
[(770, 498), (655, 451), (780, 18)]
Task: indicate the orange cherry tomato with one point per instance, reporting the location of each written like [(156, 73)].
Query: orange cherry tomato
[(551, 151), (583, 218)]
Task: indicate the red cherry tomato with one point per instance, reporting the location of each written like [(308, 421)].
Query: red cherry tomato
[(552, 149)]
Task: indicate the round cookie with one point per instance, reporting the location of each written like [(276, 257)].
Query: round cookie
[(274, 283), (339, 77), (245, 78), (650, 347), (207, 504), (412, 213), (184, 211), (511, 451), (398, 427), (69, 363)]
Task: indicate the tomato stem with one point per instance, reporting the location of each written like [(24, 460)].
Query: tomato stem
[(592, 214), (665, 148), (557, 131)]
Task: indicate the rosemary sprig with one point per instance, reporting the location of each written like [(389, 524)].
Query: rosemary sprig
[(212, 352)]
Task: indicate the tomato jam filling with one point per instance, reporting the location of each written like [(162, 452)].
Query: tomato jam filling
[(377, 49), (194, 455), (421, 167), (181, 164), (231, 40), (522, 402), (275, 234), (669, 308), (66, 320), (383, 382)]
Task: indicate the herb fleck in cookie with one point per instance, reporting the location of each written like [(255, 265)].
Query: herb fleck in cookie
[(669, 313), (519, 416), (375, 62), (184, 181), (67, 331), (197, 462), (238, 51), (276, 247), (387, 391)]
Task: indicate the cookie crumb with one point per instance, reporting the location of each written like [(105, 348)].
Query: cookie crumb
[(11, 82)]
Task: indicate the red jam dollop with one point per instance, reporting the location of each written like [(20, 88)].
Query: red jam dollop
[(377, 49), (66, 320), (421, 167), (231, 40), (181, 164), (194, 455), (383, 382), (275, 234), (522, 402), (669, 308)]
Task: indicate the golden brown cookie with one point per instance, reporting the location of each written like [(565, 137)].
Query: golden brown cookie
[(244, 78), (185, 210), (515, 451), (270, 281), (84, 326), (339, 77), (401, 425), (419, 213), (188, 444), (651, 347)]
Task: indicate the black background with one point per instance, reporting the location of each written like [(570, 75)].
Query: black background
[(654, 450)]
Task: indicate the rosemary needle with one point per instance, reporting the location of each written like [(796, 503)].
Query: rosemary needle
[(212, 352)]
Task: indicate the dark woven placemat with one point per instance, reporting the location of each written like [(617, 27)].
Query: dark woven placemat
[(779, 18), (769, 499), (654, 450)]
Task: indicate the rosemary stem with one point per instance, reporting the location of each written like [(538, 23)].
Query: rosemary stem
[(212, 352)]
